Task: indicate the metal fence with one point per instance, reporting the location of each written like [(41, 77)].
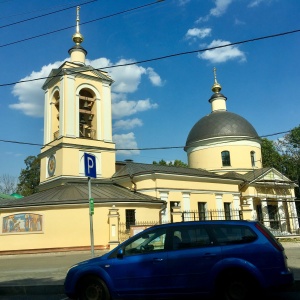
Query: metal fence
[(212, 214), (128, 229), (280, 223)]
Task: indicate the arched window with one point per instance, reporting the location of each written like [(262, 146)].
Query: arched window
[(55, 119), (253, 159), (87, 122), (225, 158)]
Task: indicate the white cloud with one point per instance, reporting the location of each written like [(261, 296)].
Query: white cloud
[(30, 94), (198, 33), (219, 9), (183, 2), (238, 22), (127, 124), (255, 3), (154, 77), (127, 79), (126, 141), (98, 63), (125, 108), (223, 54)]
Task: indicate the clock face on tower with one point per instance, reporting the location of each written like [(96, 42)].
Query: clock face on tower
[(51, 165)]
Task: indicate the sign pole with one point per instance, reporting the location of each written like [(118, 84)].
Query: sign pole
[(91, 212), (90, 170)]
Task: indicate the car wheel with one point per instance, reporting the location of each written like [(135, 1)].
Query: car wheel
[(237, 286), (93, 288)]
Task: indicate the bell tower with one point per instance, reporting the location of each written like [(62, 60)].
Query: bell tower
[(77, 119)]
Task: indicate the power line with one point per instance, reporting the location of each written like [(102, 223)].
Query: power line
[(47, 14), (83, 23), (30, 12), (163, 57), (143, 149)]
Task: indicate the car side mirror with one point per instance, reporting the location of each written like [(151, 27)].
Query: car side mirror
[(120, 253)]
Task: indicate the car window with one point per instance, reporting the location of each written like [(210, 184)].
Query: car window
[(147, 242), (190, 237), (233, 234)]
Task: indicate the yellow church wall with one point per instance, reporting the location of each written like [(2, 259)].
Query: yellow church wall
[(61, 228), (73, 158), (268, 192), (69, 227), (239, 156), (209, 199), (146, 213), (97, 84), (145, 184)]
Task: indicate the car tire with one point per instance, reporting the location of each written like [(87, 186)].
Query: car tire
[(93, 288), (237, 286)]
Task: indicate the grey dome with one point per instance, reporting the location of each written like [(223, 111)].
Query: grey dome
[(220, 124)]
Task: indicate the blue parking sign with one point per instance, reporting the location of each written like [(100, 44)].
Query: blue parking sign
[(90, 165)]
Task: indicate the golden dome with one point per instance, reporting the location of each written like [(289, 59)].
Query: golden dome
[(216, 88), (77, 37)]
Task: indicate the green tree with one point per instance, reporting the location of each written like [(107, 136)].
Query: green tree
[(8, 184), (270, 156), (29, 178), (289, 147), (175, 163)]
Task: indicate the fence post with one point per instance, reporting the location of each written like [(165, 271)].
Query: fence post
[(113, 222), (176, 214), (246, 210)]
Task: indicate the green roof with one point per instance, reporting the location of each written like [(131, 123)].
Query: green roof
[(18, 196), (5, 196)]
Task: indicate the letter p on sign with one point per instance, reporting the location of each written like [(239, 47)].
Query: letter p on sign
[(90, 165)]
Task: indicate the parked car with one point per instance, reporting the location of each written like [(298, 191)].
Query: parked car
[(233, 260)]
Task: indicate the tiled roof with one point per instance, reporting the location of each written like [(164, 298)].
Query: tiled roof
[(77, 193)]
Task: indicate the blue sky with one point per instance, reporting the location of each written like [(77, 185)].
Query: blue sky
[(155, 104)]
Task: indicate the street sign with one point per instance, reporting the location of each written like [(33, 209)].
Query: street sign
[(90, 165), (90, 171), (91, 206)]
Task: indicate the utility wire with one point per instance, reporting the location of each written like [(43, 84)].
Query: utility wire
[(162, 57), (47, 14), (83, 23), (32, 11), (142, 149)]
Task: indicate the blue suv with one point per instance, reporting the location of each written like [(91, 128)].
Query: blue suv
[(232, 260)]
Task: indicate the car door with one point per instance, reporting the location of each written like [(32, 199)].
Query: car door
[(192, 259), (142, 268)]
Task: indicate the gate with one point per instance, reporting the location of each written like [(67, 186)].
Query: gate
[(283, 220)]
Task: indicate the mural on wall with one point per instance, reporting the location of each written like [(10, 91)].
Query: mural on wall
[(22, 223)]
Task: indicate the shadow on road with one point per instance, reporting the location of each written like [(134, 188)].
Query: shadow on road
[(31, 286)]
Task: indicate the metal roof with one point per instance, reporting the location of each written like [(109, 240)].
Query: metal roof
[(134, 169), (221, 124), (77, 193)]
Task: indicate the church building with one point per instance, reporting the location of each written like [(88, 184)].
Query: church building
[(225, 177)]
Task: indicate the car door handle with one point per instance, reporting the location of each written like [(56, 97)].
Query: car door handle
[(209, 254), (157, 259)]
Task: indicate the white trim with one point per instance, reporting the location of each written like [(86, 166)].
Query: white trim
[(186, 201)]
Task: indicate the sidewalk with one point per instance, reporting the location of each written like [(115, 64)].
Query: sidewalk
[(43, 274)]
